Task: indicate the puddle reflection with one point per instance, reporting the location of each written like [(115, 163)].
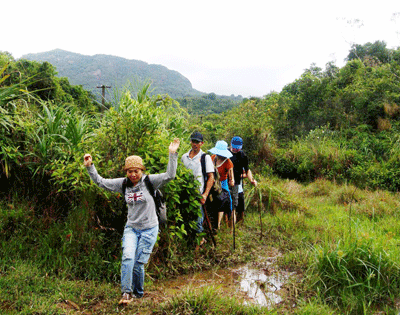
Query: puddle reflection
[(262, 286)]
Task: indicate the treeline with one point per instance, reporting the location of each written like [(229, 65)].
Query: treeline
[(39, 79), (209, 104), (337, 123)]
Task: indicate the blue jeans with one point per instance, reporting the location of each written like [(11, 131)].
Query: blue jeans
[(200, 220), (137, 246)]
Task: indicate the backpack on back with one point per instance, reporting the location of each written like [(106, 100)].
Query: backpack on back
[(216, 188), (161, 207)]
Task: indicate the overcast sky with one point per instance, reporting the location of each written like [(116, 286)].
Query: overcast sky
[(247, 48)]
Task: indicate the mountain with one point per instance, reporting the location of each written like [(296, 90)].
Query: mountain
[(97, 70)]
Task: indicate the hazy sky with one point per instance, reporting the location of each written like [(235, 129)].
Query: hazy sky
[(247, 48)]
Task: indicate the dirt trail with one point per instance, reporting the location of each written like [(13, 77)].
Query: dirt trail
[(262, 283)]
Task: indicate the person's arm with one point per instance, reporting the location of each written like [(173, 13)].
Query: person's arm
[(250, 177), (231, 178), (159, 180), (209, 183), (114, 184)]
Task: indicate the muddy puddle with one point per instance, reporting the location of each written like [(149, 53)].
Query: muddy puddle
[(264, 287), (260, 283)]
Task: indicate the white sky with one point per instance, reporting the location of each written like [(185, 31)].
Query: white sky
[(247, 48)]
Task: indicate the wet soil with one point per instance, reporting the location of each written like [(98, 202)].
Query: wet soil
[(261, 282)]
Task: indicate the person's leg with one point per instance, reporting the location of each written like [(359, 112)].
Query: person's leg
[(200, 220), (240, 207), (147, 239), (220, 216), (235, 196), (129, 244)]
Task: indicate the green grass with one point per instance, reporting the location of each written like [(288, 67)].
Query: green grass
[(342, 242), (346, 240)]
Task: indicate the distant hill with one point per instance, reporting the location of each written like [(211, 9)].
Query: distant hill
[(93, 71)]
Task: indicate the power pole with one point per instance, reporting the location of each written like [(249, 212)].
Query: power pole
[(103, 93)]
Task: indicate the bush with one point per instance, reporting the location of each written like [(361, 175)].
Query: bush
[(309, 160)]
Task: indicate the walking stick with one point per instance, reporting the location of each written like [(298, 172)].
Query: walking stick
[(260, 209), (233, 228), (209, 225)]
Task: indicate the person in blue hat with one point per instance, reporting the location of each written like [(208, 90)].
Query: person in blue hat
[(224, 165), (240, 169)]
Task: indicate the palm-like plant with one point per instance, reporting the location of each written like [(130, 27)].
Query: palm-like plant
[(8, 151)]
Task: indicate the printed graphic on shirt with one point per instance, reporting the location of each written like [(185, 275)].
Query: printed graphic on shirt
[(134, 197)]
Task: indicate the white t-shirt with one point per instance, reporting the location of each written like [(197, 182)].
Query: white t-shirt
[(194, 164)]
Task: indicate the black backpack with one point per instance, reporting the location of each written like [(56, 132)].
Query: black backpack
[(216, 188), (161, 208)]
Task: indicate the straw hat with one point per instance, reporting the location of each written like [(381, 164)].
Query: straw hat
[(221, 148), (134, 161)]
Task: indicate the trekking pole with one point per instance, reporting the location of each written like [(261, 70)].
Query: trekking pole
[(260, 209), (209, 225), (233, 228)]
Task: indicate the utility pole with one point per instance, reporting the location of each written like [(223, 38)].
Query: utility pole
[(103, 93)]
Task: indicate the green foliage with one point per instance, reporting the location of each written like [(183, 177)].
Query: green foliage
[(208, 301), (208, 104), (115, 71), (356, 274), (362, 92), (317, 156), (40, 79), (375, 50)]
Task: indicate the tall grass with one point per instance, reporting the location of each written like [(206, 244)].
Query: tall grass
[(71, 248), (342, 239)]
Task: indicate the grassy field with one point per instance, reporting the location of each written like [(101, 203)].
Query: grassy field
[(342, 243)]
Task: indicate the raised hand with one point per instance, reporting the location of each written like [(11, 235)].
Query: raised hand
[(173, 147), (87, 160)]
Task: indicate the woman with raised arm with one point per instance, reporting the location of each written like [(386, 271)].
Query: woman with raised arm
[(141, 229)]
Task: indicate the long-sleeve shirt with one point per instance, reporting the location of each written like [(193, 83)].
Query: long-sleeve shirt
[(141, 207)]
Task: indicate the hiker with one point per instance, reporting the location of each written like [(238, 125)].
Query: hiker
[(240, 170), (239, 211), (192, 160), (224, 165), (141, 229)]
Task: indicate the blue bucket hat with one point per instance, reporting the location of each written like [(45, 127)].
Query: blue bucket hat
[(237, 143), (221, 148)]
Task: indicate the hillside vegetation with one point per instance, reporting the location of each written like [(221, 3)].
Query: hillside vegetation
[(97, 70), (116, 74), (325, 151)]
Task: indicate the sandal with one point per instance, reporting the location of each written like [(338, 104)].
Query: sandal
[(126, 299)]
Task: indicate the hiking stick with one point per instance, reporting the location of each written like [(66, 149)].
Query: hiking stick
[(233, 228), (209, 225), (260, 208)]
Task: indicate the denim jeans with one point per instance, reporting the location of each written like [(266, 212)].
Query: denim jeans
[(137, 246), (199, 222)]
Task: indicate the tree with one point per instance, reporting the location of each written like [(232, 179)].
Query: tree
[(375, 50)]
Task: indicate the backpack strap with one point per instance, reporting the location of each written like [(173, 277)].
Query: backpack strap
[(149, 186), (203, 168), (124, 184)]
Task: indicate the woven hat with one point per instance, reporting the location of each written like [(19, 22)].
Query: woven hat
[(134, 161), (221, 148)]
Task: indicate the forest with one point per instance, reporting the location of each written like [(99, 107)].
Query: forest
[(325, 151)]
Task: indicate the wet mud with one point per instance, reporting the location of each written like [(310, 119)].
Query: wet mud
[(261, 282)]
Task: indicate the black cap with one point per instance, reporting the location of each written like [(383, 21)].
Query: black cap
[(197, 136)]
